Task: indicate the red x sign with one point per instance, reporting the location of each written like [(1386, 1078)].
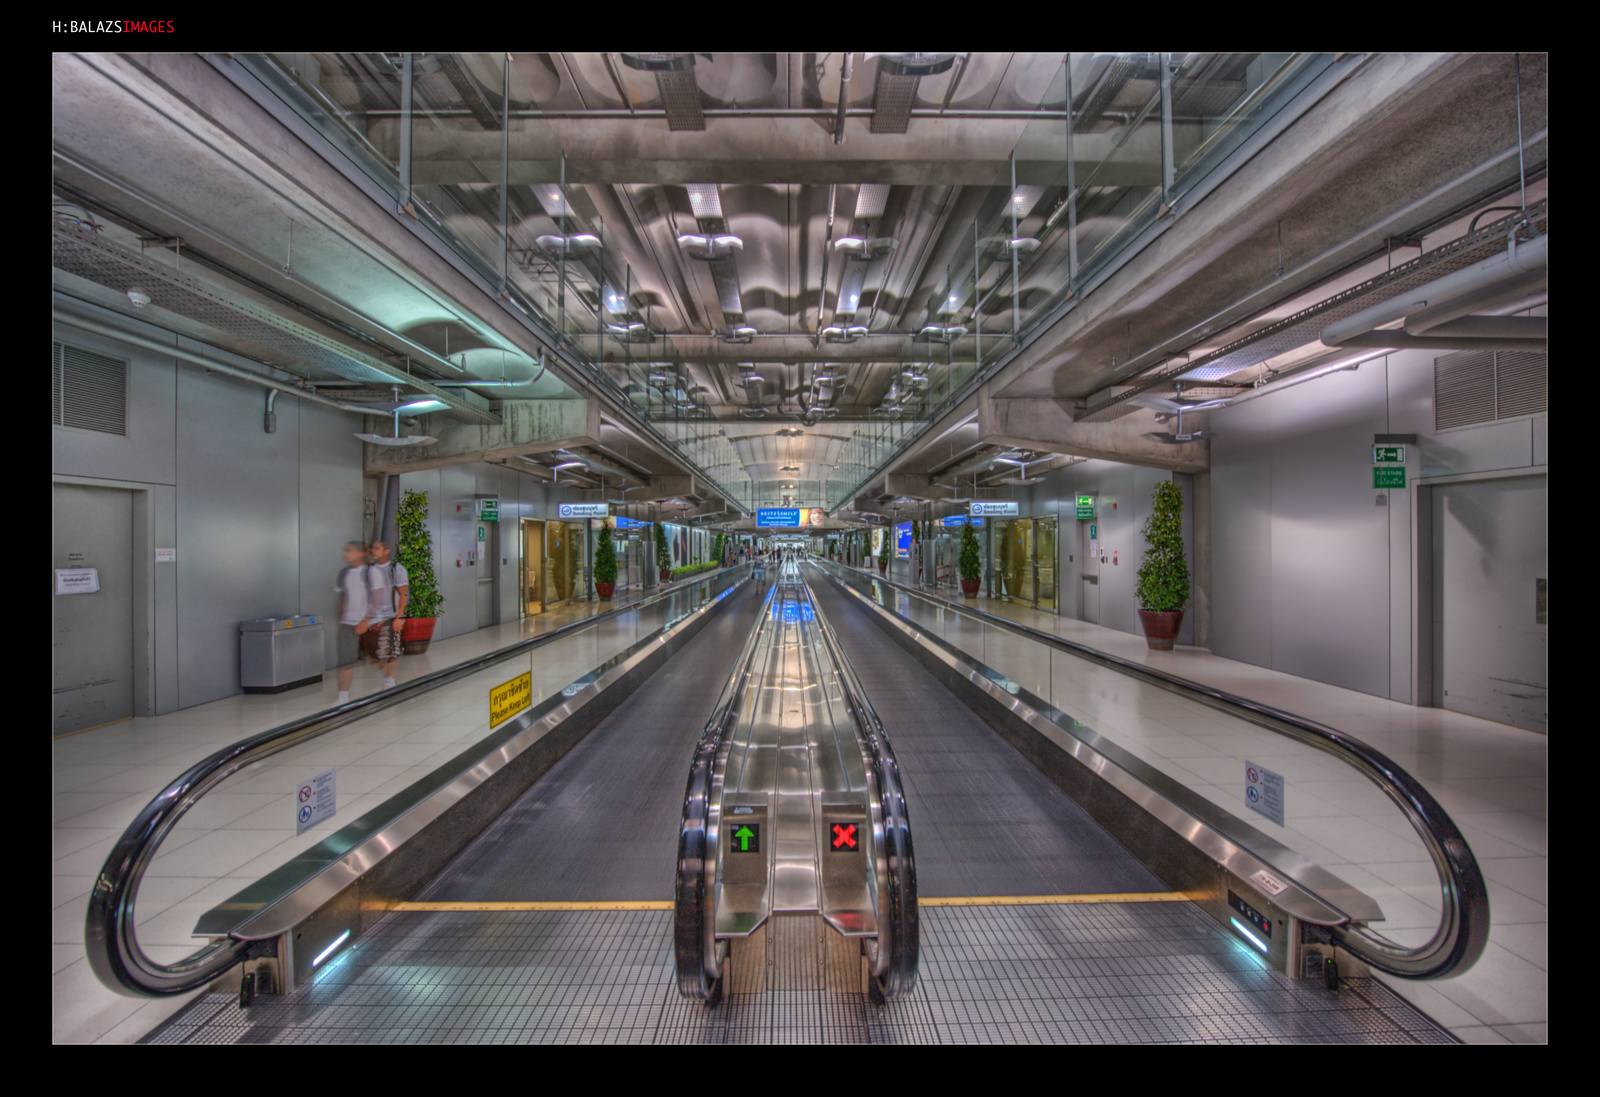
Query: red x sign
[(844, 836)]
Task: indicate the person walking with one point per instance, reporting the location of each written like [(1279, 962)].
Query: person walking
[(394, 589), (355, 600)]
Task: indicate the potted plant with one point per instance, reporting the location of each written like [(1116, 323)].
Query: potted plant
[(1163, 584), (414, 552), (883, 550), (970, 562), (663, 556), (605, 565), (716, 549)]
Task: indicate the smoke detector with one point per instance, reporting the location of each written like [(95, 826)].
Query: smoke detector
[(139, 298)]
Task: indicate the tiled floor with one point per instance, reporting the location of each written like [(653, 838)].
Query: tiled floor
[(1490, 777), (102, 778), (1094, 973)]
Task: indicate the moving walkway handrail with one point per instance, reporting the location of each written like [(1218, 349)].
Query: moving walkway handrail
[(694, 938), (894, 967), (110, 936), (1463, 930)]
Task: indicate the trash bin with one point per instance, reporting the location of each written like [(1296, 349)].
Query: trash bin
[(279, 653)]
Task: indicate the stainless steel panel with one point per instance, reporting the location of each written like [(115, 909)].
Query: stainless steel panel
[(92, 634), (1241, 535), (238, 527), (1490, 550)]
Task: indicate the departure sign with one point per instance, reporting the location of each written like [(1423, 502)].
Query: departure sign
[(845, 838), (747, 838)]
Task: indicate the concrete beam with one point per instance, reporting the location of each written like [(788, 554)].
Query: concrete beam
[(526, 427), (1046, 426)]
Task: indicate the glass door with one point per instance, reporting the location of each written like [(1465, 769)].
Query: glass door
[(533, 567), (1014, 544), (563, 544), (1044, 563)]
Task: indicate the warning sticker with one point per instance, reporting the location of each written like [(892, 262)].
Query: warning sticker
[(509, 698), (1269, 883)]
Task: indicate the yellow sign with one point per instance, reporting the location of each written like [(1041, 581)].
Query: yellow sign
[(509, 698)]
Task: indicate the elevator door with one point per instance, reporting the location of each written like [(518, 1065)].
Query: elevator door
[(533, 567), (1490, 566), (92, 641), (1088, 572)]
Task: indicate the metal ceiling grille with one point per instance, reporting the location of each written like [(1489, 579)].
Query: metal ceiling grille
[(891, 107), (680, 96), (1485, 386), (90, 391), (1520, 383)]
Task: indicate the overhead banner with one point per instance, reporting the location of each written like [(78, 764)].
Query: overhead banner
[(1009, 507), (790, 517)]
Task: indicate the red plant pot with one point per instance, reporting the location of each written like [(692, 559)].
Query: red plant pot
[(883, 567), (604, 590), (969, 587), (415, 634), (666, 575), (1160, 629)]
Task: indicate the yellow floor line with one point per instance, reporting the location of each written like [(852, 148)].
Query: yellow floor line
[(957, 901), (620, 904), (1053, 900)]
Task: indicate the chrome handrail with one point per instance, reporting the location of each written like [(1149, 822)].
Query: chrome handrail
[(110, 936), (699, 967), (894, 965), (1463, 930)]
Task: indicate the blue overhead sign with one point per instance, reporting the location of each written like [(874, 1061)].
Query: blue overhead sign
[(778, 516), (959, 520), (629, 523)]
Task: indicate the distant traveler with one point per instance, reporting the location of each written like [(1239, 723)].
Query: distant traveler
[(391, 608), (354, 621)]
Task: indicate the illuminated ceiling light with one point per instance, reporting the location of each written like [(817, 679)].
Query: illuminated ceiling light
[(844, 334), (570, 465), (555, 245), (865, 250), (423, 405), (940, 333), (789, 432), (736, 335), (916, 64), (710, 247)]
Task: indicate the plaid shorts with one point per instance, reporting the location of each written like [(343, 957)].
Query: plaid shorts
[(386, 642)]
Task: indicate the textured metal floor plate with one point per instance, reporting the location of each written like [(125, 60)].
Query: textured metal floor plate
[(1088, 973)]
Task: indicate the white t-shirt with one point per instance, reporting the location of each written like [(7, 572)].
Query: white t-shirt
[(354, 584), (385, 578)]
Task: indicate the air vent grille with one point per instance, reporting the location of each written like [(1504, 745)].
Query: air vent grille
[(1484, 386), (89, 391)]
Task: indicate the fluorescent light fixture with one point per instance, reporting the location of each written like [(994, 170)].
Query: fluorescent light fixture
[(423, 405), (570, 465), (325, 953), (1251, 937)]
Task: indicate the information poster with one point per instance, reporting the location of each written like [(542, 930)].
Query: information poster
[(902, 541)]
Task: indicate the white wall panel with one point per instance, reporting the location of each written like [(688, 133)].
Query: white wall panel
[(148, 452), (330, 508), (1241, 533)]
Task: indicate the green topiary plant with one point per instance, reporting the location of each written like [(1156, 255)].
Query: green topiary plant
[(883, 550), (663, 555), (415, 553), (605, 558), (717, 547), (1163, 583), (971, 560)]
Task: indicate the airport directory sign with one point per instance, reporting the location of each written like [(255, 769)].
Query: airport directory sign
[(953, 520), (1002, 509)]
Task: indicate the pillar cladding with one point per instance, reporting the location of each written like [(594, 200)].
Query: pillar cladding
[(526, 426)]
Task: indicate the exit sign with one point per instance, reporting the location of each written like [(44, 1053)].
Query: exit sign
[(1389, 476), (1085, 506), (488, 510), (1388, 455)]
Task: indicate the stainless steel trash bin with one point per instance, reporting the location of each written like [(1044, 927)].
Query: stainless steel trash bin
[(279, 653)]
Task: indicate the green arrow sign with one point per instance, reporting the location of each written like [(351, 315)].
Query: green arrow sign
[(748, 839)]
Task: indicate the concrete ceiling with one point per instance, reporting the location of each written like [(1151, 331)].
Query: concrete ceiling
[(1398, 146)]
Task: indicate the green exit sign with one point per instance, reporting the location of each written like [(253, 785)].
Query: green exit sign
[(1388, 455), (1085, 506), (488, 510), (1393, 476)]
